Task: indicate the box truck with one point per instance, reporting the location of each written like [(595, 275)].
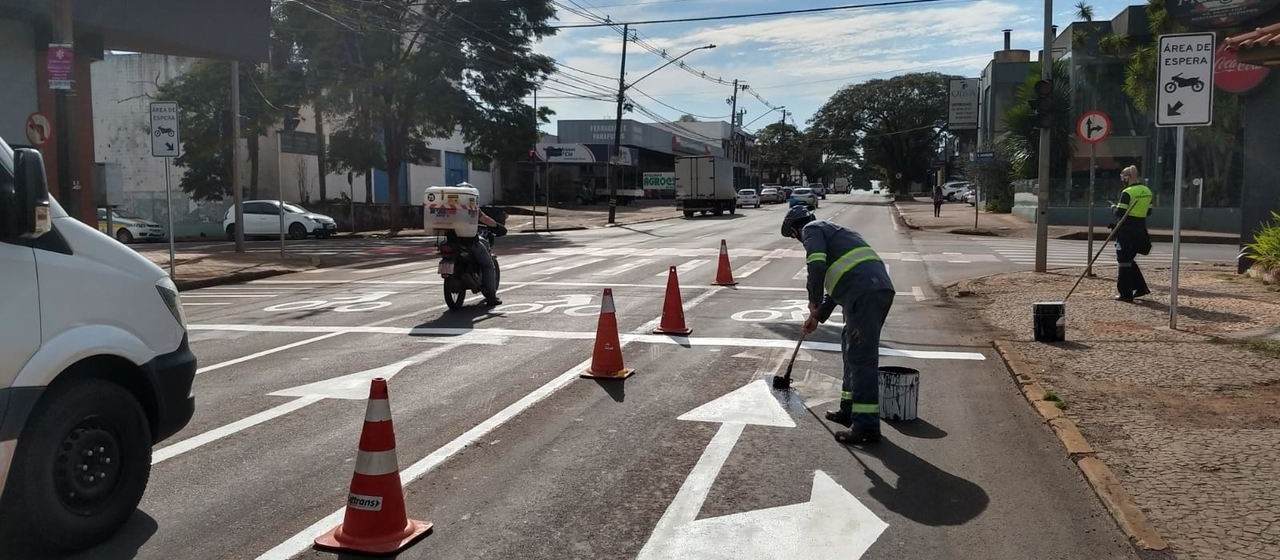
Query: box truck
[(705, 184), (95, 368)]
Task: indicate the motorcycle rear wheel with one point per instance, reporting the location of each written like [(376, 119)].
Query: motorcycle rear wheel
[(455, 294)]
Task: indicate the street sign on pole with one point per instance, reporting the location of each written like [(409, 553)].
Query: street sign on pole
[(1185, 84), (1094, 127), (164, 143), (1185, 99), (164, 129), (962, 104)]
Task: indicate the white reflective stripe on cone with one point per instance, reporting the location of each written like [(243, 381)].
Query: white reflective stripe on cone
[(606, 306), (379, 410), (376, 463)]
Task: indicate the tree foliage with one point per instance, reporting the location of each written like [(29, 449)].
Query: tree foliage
[(203, 95), (1022, 145), (891, 125), (398, 73), (779, 149)]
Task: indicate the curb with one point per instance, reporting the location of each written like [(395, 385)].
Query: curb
[(902, 218), (185, 285), (1106, 485)]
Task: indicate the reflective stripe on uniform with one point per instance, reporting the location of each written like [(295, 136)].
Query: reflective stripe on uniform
[(817, 257), (861, 408), (846, 396), (1139, 204), (846, 263)]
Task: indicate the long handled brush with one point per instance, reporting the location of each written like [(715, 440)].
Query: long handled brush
[(784, 383)]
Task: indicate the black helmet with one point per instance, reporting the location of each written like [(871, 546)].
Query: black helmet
[(796, 218)]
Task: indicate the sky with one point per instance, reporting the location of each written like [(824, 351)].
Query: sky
[(795, 61)]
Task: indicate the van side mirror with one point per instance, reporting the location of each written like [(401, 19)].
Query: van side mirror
[(30, 195)]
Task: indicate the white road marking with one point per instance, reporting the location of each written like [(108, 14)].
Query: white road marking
[(488, 336), (918, 292), (526, 262), (633, 264), (359, 265), (687, 266), (193, 304), (302, 541), (749, 268), (382, 269), (568, 266), (232, 296), (171, 451), (803, 274), (648, 327)]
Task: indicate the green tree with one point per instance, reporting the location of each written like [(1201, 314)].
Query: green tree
[(411, 71), (892, 125), (1022, 145), (203, 95), (779, 149)]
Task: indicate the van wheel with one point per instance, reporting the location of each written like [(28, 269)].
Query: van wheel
[(297, 231), (84, 459), (688, 214), (231, 232), (123, 236)]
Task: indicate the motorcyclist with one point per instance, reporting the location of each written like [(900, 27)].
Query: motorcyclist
[(480, 248)]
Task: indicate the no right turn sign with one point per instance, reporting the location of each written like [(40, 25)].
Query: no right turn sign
[(1185, 80)]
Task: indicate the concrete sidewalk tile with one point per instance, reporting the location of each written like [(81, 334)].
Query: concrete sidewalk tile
[(1122, 507)]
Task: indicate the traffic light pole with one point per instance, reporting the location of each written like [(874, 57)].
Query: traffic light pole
[(1042, 204)]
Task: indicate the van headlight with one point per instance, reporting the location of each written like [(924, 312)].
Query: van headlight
[(169, 293)]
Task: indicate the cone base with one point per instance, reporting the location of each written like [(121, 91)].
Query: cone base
[(678, 332), (729, 283), (621, 374), (415, 531)]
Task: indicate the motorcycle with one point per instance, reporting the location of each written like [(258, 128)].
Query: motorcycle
[(1175, 82), (458, 267)]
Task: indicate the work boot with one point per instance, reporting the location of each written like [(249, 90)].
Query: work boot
[(492, 302), (842, 417), (858, 435)]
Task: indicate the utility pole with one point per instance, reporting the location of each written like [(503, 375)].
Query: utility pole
[(1042, 204), (237, 197), (617, 127), (68, 172)]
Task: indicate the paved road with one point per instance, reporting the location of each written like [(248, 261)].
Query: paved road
[(512, 455)]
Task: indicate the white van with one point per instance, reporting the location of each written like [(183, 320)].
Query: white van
[(94, 367)]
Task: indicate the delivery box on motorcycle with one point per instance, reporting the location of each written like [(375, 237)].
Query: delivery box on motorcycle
[(451, 209)]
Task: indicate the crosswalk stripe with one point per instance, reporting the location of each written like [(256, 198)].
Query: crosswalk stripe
[(386, 268), (803, 274), (634, 264), (686, 267), (750, 268), (568, 266), (526, 262)]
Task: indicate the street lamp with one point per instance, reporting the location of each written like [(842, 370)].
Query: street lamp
[(623, 86), (762, 115)]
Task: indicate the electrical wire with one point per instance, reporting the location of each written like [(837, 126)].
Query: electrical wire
[(882, 4)]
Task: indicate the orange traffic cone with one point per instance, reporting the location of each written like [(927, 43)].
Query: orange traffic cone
[(375, 522), (606, 360), (724, 276), (673, 309)]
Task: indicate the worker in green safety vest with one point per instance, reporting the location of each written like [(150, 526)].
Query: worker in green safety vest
[(844, 270), (1132, 238)]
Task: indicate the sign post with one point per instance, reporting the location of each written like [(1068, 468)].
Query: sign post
[(1093, 128), (165, 143), (1185, 99)]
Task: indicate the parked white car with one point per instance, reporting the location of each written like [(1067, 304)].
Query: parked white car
[(128, 228), (95, 368), (953, 190), (262, 218), (748, 197), (771, 194)]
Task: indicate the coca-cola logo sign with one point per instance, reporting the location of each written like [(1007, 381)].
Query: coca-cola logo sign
[(1218, 13), (1233, 76)]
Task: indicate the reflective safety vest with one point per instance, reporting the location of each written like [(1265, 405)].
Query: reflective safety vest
[(837, 270), (840, 262), (1136, 199)]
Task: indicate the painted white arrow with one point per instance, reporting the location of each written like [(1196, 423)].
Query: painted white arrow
[(353, 386), (833, 521)]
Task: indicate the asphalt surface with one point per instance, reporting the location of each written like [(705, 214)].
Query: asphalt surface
[(512, 455)]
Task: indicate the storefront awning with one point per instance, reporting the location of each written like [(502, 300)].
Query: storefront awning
[(1260, 46)]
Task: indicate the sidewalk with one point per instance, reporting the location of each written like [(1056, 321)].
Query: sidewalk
[(200, 270), (958, 218), (1187, 420), (568, 218)]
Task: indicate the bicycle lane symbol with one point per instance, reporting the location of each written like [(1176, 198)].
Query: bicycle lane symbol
[(792, 310), (344, 304), (573, 305)]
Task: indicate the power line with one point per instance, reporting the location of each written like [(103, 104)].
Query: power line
[(681, 111), (884, 4)]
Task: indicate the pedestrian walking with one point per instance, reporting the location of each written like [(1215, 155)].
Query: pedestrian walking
[(844, 270), (938, 199), (1132, 238)]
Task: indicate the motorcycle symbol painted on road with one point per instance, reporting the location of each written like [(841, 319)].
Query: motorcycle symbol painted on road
[(792, 310), (573, 305), (1177, 82)]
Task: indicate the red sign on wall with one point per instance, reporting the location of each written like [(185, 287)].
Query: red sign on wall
[(1233, 76), (60, 63)]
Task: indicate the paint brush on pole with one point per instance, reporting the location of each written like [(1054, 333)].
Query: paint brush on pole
[(784, 383)]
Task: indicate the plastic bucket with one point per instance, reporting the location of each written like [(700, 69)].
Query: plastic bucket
[(899, 393), (1049, 321)]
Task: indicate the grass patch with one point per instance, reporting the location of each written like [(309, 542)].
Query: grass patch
[(1268, 348), (1055, 399)]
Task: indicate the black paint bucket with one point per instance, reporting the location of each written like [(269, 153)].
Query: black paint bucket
[(1050, 321)]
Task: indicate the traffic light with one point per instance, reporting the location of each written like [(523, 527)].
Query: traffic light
[(1042, 107)]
